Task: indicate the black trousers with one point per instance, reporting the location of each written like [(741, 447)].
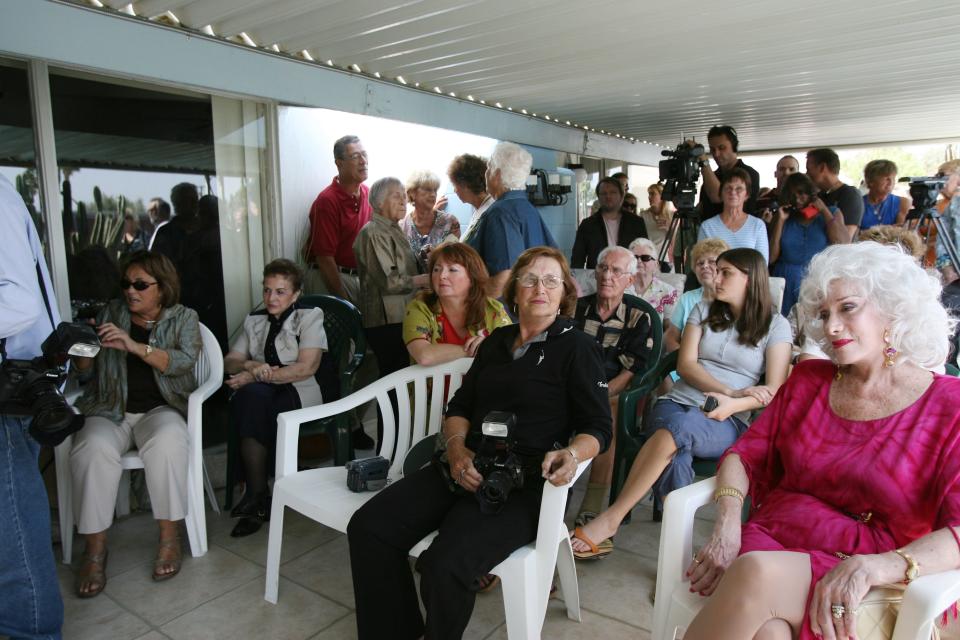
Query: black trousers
[(253, 414), (469, 545), (387, 344)]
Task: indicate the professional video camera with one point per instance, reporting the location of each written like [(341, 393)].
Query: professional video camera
[(495, 460), (32, 387), (680, 174), (924, 192)]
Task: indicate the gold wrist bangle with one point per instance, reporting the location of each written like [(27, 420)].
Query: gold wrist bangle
[(913, 569), (733, 492), (573, 455)]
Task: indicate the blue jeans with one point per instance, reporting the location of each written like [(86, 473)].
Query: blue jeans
[(30, 603), (695, 435)]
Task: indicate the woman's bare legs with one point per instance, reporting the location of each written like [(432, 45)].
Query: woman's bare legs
[(654, 456), (601, 469), (763, 595)]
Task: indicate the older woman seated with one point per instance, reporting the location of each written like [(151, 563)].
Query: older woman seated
[(703, 256), (451, 319), (734, 225), (271, 366), (853, 469), (137, 397), (621, 328), (549, 376), (661, 296), (427, 225), (726, 346)]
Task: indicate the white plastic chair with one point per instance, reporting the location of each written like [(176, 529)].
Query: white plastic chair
[(322, 494), (209, 373), (925, 598), (777, 286)]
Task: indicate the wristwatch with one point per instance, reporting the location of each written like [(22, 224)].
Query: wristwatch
[(913, 569), (146, 354)]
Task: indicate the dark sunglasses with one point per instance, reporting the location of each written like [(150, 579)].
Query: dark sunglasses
[(646, 258), (139, 285)]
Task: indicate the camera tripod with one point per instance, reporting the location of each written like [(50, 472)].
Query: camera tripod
[(921, 219), (684, 227)]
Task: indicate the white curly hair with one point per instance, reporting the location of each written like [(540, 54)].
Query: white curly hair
[(920, 327), (514, 163)]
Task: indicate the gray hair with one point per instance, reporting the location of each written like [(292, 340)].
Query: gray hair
[(514, 164), (920, 327), (644, 243), (380, 189), (631, 265), (340, 146)]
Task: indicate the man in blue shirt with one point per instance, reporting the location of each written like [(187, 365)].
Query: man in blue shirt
[(511, 225), (30, 606)]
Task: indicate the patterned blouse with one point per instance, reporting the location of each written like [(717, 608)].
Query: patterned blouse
[(661, 296), (445, 227)]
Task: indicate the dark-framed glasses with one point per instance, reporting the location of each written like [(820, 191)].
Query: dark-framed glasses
[(645, 258), (548, 281), (139, 285)]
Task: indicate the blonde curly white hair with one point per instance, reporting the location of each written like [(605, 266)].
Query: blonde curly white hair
[(907, 295)]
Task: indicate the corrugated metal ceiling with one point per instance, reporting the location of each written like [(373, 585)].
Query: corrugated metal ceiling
[(786, 75)]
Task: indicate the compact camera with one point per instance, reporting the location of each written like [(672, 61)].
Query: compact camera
[(367, 474), (32, 387), (501, 468)]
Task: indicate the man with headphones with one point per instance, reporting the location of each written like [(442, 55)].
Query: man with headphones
[(608, 227), (723, 147)]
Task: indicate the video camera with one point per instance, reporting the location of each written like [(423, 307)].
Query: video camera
[(32, 387), (495, 460), (680, 174), (924, 191)]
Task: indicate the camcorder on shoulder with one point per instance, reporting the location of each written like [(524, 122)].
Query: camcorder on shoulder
[(31, 388), (495, 460), (680, 174)]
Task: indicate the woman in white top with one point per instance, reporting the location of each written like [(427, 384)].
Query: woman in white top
[(271, 366), (657, 217), (733, 225)]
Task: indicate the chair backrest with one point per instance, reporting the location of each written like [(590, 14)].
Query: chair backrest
[(676, 280), (777, 286), (210, 360), (656, 334), (346, 343)]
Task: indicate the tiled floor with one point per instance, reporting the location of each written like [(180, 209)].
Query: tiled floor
[(221, 594)]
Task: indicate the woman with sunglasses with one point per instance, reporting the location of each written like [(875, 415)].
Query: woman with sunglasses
[(661, 296), (727, 345), (136, 396), (550, 377)]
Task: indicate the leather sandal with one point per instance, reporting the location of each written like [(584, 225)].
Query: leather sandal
[(597, 551), (95, 575), (176, 561)]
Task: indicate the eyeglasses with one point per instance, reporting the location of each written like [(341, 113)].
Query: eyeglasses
[(139, 285), (701, 264), (645, 258), (628, 205), (602, 268), (353, 157), (549, 281)]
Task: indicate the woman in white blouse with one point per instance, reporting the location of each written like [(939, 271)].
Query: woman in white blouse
[(271, 366)]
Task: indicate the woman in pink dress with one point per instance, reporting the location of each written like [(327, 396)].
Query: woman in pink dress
[(853, 469)]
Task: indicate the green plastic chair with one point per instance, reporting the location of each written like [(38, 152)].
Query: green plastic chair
[(346, 346)]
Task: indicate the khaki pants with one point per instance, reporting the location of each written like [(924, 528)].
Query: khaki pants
[(313, 283), (160, 436)]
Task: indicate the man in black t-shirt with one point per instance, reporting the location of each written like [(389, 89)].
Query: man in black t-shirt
[(723, 147), (823, 167)]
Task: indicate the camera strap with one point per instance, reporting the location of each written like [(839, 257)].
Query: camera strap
[(46, 303)]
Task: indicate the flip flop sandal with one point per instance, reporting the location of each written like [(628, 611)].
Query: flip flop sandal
[(486, 583), (584, 518), (596, 552), (96, 577), (176, 561)]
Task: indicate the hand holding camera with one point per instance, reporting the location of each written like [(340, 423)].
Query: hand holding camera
[(462, 470)]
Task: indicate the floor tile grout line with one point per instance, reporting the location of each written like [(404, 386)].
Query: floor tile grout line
[(332, 624), (225, 593)]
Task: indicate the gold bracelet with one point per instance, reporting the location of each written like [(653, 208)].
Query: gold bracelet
[(913, 568), (446, 443), (573, 455), (733, 492)]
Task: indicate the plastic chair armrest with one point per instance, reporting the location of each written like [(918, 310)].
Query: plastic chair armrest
[(925, 599)]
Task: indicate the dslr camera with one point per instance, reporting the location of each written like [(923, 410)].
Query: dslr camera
[(367, 474), (495, 460), (32, 387), (680, 174)]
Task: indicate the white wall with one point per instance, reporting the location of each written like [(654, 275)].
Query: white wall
[(395, 149)]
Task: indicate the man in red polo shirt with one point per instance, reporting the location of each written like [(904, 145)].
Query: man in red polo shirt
[(337, 215)]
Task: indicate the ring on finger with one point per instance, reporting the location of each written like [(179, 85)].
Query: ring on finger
[(837, 610)]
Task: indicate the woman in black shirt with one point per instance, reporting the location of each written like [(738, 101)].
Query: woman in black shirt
[(550, 376)]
